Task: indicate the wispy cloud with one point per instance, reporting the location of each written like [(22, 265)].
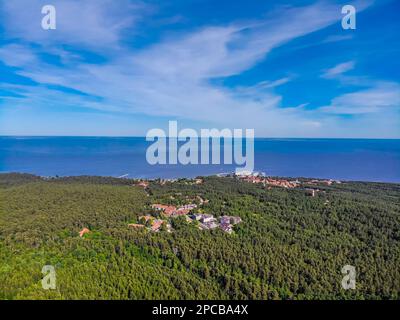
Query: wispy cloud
[(338, 37), (16, 55), (90, 23), (377, 95), (174, 76), (381, 96), (339, 69)]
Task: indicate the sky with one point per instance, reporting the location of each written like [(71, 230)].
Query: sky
[(121, 68)]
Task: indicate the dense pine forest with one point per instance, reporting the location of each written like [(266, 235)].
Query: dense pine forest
[(289, 244)]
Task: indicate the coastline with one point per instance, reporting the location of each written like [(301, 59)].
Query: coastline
[(126, 177), (342, 159)]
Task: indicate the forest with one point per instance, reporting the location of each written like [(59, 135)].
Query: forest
[(289, 245)]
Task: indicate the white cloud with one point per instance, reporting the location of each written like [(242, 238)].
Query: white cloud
[(378, 98), (338, 70), (338, 37), (169, 76), (172, 78), (16, 55), (90, 23)]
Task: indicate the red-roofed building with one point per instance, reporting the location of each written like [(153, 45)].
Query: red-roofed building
[(168, 210), (156, 225), (145, 218), (172, 210), (143, 184), (181, 212), (83, 231)]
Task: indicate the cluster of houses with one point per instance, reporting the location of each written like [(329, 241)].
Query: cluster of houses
[(172, 211), (151, 223), (205, 221), (208, 221), (270, 181), (144, 183), (319, 182), (196, 181), (254, 177), (284, 183)]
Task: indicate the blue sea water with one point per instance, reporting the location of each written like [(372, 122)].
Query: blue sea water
[(343, 159)]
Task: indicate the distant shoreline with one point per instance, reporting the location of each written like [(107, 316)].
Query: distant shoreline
[(340, 159), (221, 175)]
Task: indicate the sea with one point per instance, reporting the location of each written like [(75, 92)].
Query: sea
[(340, 159)]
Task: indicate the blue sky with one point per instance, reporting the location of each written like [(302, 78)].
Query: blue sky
[(120, 68)]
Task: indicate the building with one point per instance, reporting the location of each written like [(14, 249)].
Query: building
[(180, 212), (316, 181), (196, 217), (226, 227), (282, 183), (168, 210), (236, 220), (83, 232), (243, 173), (205, 218), (172, 211), (210, 225), (135, 225), (161, 207), (198, 181), (144, 219), (311, 192), (190, 206), (143, 184), (230, 220), (157, 225), (225, 220)]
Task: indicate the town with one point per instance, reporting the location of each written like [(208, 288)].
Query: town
[(259, 177), (162, 214), (203, 221), (208, 221)]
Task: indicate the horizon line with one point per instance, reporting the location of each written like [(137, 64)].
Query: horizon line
[(133, 136)]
